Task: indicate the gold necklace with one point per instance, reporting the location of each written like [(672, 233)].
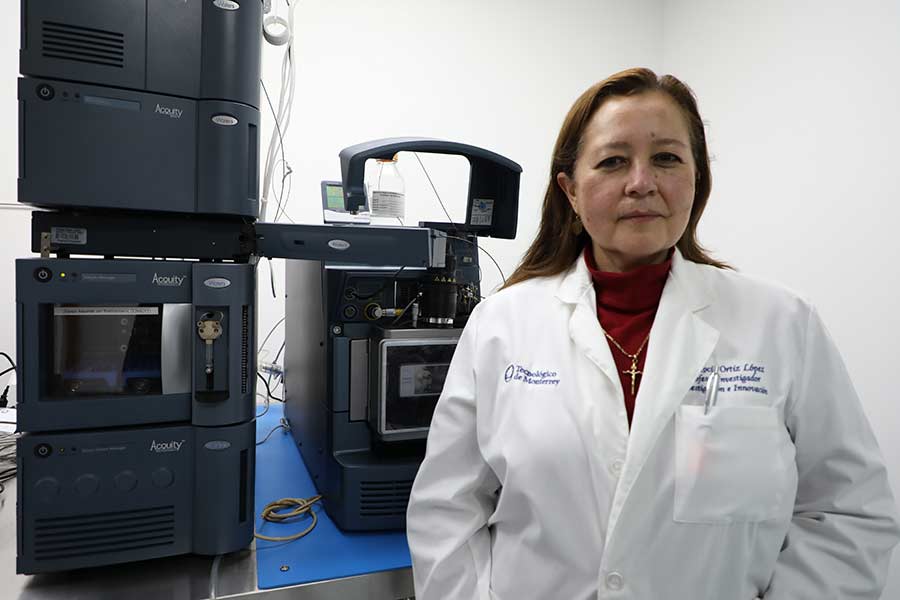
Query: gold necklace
[(633, 371)]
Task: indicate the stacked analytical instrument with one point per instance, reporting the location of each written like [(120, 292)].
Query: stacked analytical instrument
[(139, 131), (137, 377), (372, 319)]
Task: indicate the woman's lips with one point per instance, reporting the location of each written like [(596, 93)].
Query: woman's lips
[(640, 217)]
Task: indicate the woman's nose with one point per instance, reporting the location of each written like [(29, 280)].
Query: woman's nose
[(641, 180)]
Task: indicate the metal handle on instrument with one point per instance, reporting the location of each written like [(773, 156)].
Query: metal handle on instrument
[(175, 349)]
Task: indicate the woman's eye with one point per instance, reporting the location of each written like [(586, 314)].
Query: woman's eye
[(668, 158), (611, 163)]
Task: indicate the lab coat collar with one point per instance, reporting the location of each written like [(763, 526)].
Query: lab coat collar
[(577, 290), (686, 287), (686, 292), (576, 283)]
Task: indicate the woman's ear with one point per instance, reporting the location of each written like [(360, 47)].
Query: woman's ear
[(567, 184)]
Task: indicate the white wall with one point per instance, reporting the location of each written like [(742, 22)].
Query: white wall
[(802, 101), (15, 223)]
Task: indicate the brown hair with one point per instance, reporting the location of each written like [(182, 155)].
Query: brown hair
[(555, 247)]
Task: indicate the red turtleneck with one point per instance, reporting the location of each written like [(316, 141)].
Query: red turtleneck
[(626, 306)]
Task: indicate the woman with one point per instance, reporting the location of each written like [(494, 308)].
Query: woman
[(572, 454)]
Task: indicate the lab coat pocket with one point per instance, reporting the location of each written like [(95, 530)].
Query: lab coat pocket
[(731, 465)]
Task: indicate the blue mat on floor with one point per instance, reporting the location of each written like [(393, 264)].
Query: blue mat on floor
[(324, 553)]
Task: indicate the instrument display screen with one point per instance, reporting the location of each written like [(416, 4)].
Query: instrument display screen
[(105, 350)]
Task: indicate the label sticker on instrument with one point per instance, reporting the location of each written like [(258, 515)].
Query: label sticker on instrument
[(216, 282), (217, 445), (482, 211), (84, 311), (339, 244), (227, 120), (226, 4), (68, 235), (108, 277)]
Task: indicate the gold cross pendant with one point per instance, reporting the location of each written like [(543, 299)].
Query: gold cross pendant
[(633, 371)]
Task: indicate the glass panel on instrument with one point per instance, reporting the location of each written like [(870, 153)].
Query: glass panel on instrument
[(105, 350), (415, 379)]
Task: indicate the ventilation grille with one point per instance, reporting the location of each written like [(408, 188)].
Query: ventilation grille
[(83, 44), (245, 348), (384, 498), (103, 533)]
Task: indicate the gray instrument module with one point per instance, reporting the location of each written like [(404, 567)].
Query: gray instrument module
[(109, 496), (162, 462), (147, 105), (106, 343)]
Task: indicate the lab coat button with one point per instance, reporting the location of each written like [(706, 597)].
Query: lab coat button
[(615, 581), (616, 467)]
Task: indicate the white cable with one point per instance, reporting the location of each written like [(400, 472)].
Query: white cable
[(277, 139), (285, 97), (214, 576), (285, 102)]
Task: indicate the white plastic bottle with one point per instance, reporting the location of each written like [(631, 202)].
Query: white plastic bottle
[(386, 190)]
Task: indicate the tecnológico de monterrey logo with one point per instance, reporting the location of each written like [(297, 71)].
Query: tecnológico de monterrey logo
[(530, 376)]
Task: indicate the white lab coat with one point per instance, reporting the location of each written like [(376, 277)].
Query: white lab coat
[(533, 487)]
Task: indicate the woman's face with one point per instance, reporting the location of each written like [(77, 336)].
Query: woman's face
[(633, 182)]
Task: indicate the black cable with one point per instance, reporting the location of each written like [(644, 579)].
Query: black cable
[(271, 331), (392, 279), (286, 171), (268, 390), (7, 370), (275, 362), (272, 278), (280, 143), (266, 409), (286, 174), (483, 250), (451, 220), (405, 309), (277, 356), (5, 355), (283, 424), (433, 188)]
